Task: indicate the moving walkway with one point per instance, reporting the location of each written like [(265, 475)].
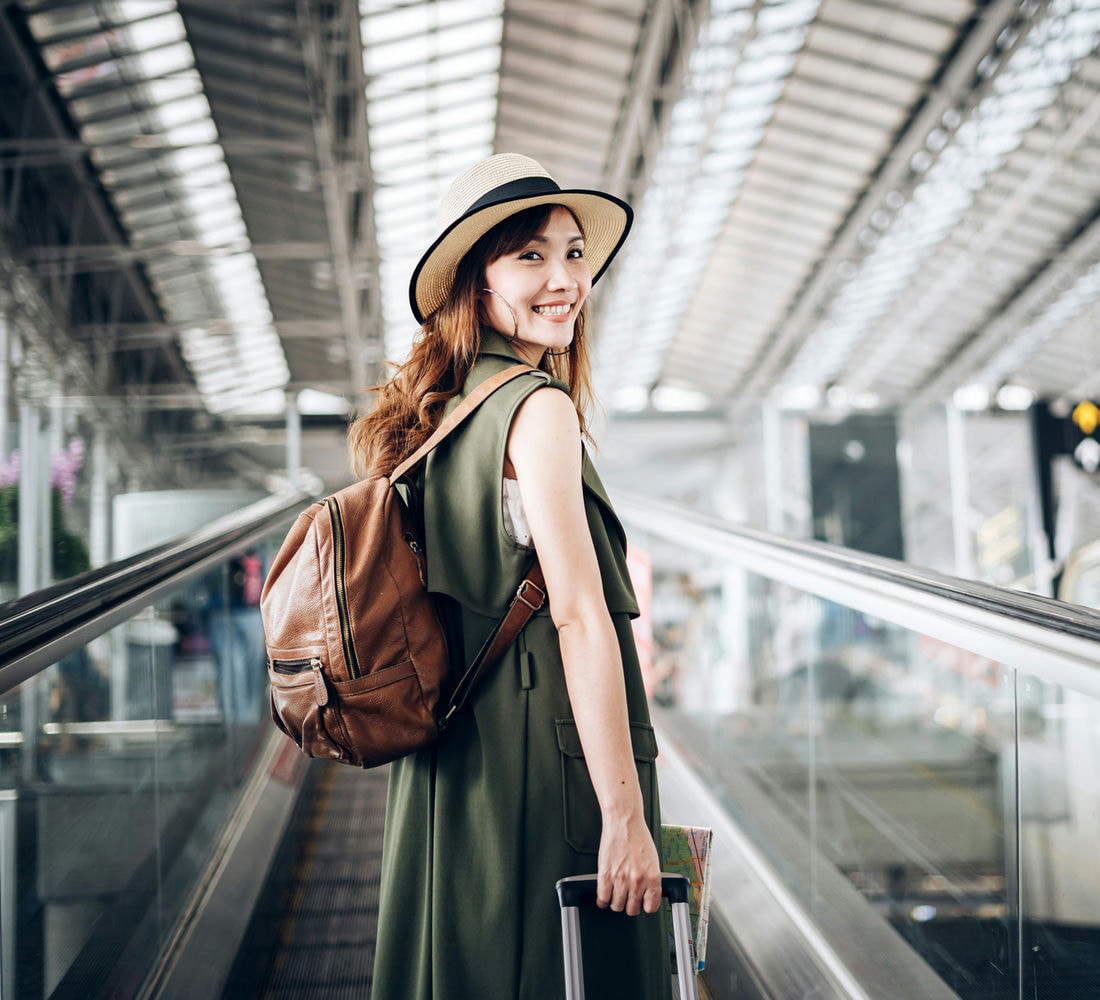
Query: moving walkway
[(896, 764)]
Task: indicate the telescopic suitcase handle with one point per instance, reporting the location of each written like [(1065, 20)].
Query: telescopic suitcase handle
[(578, 890)]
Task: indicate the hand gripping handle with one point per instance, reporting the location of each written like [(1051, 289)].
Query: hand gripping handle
[(578, 890)]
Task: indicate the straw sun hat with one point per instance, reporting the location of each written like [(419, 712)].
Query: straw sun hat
[(489, 192)]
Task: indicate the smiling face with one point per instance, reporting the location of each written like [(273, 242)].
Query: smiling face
[(546, 281)]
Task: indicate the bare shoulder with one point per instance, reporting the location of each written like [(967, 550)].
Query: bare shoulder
[(548, 403), (546, 413), (545, 426)]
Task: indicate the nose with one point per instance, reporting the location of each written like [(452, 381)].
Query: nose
[(561, 276)]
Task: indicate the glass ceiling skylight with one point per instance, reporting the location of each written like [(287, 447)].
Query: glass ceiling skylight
[(128, 75), (1080, 296), (955, 173), (732, 88), (432, 72)]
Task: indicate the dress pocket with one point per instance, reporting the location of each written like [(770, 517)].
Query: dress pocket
[(581, 808)]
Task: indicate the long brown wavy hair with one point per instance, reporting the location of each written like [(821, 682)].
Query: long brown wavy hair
[(410, 405)]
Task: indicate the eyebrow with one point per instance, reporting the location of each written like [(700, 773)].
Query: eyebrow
[(575, 238)]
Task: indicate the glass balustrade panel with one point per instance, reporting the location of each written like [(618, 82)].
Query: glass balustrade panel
[(1059, 803), (841, 743), (119, 767)]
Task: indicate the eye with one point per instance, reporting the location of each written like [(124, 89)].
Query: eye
[(530, 255), (576, 253)]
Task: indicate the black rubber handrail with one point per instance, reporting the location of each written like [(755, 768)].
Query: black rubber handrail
[(58, 617), (1045, 612)]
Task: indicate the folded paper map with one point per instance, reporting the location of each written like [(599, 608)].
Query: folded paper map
[(686, 850)]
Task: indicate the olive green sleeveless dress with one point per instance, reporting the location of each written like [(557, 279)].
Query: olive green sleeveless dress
[(481, 825)]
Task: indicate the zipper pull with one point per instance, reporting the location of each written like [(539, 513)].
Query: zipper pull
[(320, 689), (410, 540)]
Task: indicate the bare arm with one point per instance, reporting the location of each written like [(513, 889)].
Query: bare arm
[(544, 448)]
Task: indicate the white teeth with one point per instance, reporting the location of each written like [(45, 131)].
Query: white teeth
[(552, 310)]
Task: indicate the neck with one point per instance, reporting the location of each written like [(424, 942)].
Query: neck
[(498, 343), (529, 353)]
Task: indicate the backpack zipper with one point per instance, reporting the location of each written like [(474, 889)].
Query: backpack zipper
[(341, 590), (290, 666)]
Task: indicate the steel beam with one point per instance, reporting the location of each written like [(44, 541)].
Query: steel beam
[(182, 397), (128, 336), (347, 251), (89, 256), (637, 119), (62, 149), (369, 257)]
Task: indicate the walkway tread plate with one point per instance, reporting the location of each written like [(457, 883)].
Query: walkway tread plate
[(326, 939)]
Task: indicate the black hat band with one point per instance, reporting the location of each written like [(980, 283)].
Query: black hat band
[(525, 187)]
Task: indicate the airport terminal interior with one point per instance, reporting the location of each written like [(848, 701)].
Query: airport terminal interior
[(848, 378)]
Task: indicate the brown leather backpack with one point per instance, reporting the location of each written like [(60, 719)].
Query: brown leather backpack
[(357, 658)]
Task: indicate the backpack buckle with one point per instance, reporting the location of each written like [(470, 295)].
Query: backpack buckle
[(538, 600)]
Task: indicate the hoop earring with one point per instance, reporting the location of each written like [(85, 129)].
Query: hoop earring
[(515, 321), (557, 354)]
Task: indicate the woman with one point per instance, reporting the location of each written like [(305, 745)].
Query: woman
[(549, 771)]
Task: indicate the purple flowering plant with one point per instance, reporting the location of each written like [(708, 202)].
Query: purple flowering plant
[(70, 554), (64, 469)]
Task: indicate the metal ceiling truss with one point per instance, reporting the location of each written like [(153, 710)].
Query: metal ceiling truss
[(57, 367), (77, 257), (739, 56), (332, 46), (895, 189), (982, 357), (1069, 255), (659, 65), (100, 221), (1012, 155), (958, 84), (285, 88), (43, 306), (44, 152), (99, 63)]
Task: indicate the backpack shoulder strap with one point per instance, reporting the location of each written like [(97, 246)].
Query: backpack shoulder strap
[(460, 413), (529, 597)]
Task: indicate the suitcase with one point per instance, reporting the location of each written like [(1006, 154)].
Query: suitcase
[(577, 890)]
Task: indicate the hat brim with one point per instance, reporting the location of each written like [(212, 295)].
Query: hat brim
[(604, 219)]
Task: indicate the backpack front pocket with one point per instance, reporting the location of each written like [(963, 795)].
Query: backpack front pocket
[(299, 705), (381, 716)]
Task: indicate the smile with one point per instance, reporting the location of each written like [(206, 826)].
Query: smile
[(551, 310)]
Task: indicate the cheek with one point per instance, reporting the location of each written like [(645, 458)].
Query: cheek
[(496, 315), (500, 273), (584, 283)]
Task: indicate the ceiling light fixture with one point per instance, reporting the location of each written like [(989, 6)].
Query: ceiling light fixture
[(1014, 397), (798, 397), (971, 398)]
